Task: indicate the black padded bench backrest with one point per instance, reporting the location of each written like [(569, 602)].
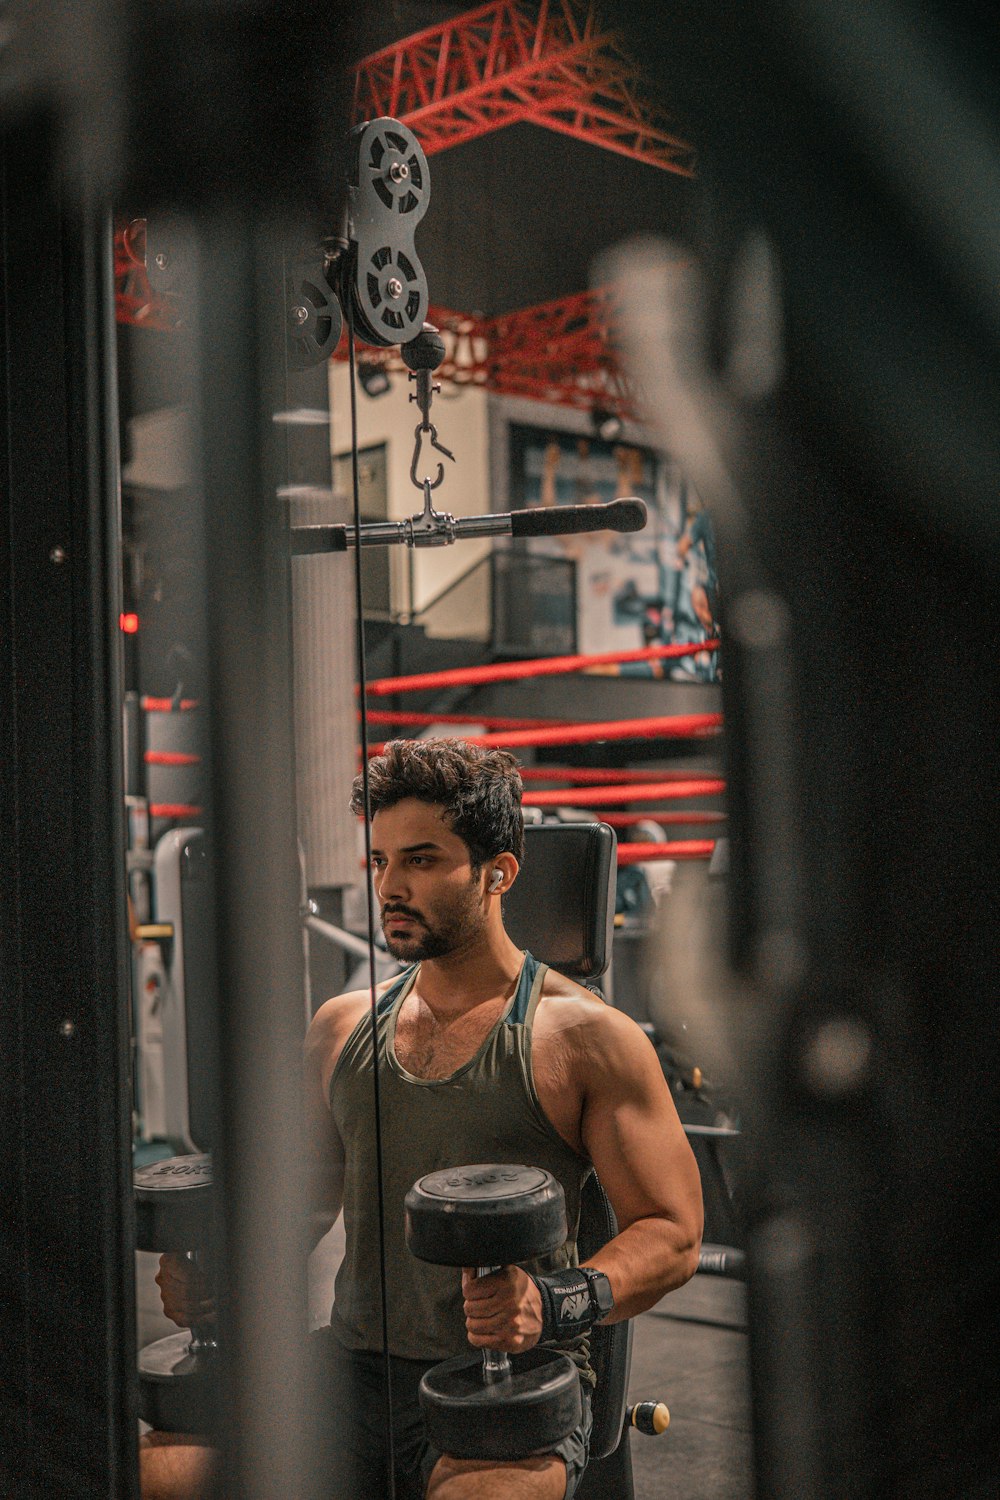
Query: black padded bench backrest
[(610, 1344), (562, 907), (562, 904)]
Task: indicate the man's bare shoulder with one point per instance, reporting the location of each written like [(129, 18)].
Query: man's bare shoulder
[(343, 1012), (332, 1025), (574, 1013), (565, 1005)]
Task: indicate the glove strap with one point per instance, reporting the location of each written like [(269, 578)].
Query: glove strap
[(572, 1303)]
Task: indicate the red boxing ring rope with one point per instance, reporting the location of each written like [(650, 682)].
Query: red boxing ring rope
[(675, 726), (423, 721), (546, 666), (600, 776), (607, 796), (626, 819), (166, 705), (635, 854)]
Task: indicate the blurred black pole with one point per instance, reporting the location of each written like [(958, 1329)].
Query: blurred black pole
[(68, 1415), (231, 116), (237, 131), (253, 854), (832, 392)]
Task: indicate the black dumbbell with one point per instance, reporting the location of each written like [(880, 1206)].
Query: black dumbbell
[(489, 1217), (173, 1211)]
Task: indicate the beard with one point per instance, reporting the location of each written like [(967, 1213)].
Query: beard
[(439, 933)]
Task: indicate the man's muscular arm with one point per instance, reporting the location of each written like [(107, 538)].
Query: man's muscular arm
[(328, 1031), (633, 1136), (630, 1129)]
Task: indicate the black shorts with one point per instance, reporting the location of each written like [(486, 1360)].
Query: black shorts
[(351, 1442)]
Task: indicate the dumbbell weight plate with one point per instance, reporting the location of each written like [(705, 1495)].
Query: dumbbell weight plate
[(489, 1214), (177, 1388), (530, 1410), (173, 1204)]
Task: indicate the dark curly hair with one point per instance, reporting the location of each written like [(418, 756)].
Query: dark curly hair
[(479, 789)]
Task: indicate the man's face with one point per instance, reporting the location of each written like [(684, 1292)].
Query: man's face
[(431, 904)]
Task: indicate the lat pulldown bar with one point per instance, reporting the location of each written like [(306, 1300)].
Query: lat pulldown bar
[(433, 528)]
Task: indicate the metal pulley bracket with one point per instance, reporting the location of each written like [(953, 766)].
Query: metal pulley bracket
[(388, 194)]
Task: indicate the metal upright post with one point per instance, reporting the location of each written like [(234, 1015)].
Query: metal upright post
[(68, 1412)]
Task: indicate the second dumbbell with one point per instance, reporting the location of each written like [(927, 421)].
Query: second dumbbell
[(177, 1374)]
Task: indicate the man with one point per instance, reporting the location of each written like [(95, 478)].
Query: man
[(483, 1055)]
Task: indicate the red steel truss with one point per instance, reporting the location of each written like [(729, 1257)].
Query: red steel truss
[(135, 300), (551, 63), (561, 352)]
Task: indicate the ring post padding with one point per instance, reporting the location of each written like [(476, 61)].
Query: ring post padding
[(485, 1214)]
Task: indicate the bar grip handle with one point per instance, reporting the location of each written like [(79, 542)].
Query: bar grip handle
[(722, 1260), (558, 520), (306, 539)]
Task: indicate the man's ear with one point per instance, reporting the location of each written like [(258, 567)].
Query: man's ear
[(502, 874)]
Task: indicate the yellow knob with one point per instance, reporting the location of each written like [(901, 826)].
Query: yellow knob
[(651, 1417)]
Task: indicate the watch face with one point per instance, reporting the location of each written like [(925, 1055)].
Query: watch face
[(600, 1288)]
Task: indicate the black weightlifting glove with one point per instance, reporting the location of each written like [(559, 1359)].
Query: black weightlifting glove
[(572, 1302)]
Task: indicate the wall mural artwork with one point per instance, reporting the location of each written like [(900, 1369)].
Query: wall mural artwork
[(644, 588)]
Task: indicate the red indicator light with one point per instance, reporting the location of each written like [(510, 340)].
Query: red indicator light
[(129, 623)]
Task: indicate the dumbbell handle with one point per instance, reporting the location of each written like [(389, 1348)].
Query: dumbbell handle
[(496, 1365), (203, 1338)]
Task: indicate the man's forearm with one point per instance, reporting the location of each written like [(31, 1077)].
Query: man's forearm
[(649, 1258)]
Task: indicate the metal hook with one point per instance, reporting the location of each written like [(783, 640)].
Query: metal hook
[(418, 433)]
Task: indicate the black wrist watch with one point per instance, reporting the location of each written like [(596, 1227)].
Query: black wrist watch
[(601, 1296)]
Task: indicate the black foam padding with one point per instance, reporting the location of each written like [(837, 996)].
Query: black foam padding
[(306, 539), (492, 1214), (562, 904), (556, 520)]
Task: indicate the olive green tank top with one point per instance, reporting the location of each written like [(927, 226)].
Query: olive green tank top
[(486, 1111)]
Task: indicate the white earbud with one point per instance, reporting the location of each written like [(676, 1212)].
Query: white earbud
[(496, 880)]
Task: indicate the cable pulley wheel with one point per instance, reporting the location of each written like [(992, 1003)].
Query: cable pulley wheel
[(388, 196), (392, 161), (314, 319)]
